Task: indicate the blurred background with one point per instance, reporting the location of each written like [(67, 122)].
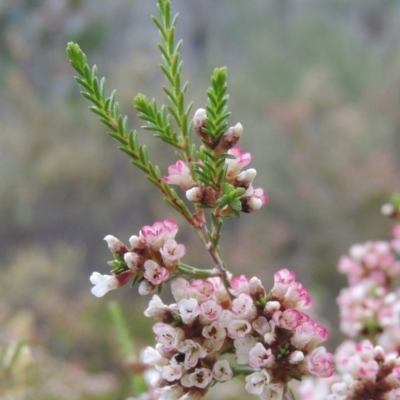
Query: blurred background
[(316, 86)]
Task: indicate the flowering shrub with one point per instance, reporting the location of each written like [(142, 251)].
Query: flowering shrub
[(222, 326)]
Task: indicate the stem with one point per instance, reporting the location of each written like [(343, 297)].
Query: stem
[(199, 273), (241, 370), (290, 394)]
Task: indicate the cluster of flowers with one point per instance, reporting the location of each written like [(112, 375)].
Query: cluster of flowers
[(370, 308), (271, 338), (180, 174), (154, 255), (364, 371), (369, 305)]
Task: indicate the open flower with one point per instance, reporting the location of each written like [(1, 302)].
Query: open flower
[(179, 174), (103, 283)]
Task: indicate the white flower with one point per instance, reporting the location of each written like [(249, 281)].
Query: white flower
[(200, 378), (189, 309), (243, 347), (222, 371), (103, 283), (256, 382)]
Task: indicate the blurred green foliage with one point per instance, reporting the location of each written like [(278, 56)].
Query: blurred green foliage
[(316, 87)]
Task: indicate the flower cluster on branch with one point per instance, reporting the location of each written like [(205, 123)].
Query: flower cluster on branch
[(222, 326)]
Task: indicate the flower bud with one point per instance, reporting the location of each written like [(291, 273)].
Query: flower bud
[(200, 122), (296, 357), (137, 242), (115, 245), (245, 178), (132, 259), (388, 210), (251, 204), (201, 194), (272, 306), (200, 118), (229, 139), (256, 288)]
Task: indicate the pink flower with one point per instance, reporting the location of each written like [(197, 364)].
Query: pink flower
[(239, 284), (297, 297), (156, 234), (202, 289), (210, 311), (236, 164), (259, 356), (172, 252), (243, 307), (283, 279), (171, 229), (179, 174), (154, 273), (320, 362), (153, 235), (289, 319)]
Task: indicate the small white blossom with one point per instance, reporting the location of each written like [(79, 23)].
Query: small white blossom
[(103, 283)]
